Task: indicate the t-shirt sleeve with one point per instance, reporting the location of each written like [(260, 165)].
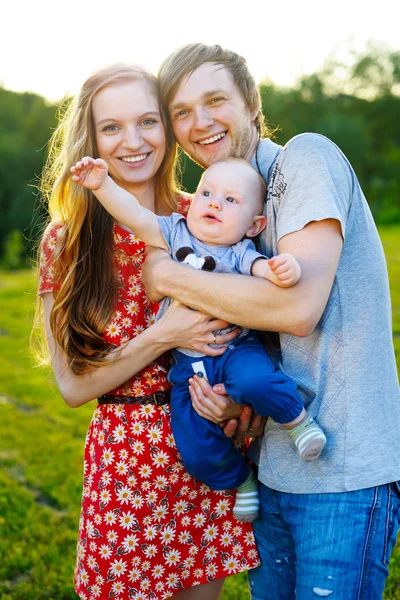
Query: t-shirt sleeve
[(246, 253), (312, 182), (46, 264), (168, 227)]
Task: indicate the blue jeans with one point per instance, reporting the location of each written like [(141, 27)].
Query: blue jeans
[(325, 545)]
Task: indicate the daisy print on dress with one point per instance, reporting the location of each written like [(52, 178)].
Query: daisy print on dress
[(163, 526), (147, 529)]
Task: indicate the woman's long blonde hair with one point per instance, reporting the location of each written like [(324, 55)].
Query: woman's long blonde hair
[(85, 284)]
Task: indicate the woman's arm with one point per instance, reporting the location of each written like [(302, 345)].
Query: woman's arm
[(179, 326)]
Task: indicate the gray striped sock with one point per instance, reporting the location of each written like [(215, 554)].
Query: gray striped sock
[(308, 438), (247, 502)]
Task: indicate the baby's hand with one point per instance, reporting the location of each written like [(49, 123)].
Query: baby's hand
[(90, 172), (285, 270)]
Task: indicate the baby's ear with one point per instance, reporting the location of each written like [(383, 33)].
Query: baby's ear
[(259, 223)]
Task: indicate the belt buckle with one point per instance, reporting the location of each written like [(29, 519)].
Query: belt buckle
[(156, 402)]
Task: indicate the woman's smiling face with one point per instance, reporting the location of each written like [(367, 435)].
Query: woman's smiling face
[(129, 132)]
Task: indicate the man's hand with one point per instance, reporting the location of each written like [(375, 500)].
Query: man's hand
[(249, 425), (156, 261), (214, 404), (210, 404)]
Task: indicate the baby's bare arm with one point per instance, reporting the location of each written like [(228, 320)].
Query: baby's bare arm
[(123, 206)]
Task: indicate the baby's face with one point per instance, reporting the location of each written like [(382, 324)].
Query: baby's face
[(225, 204)]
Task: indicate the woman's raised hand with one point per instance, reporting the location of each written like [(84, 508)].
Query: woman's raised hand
[(187, 328), (90, 172)]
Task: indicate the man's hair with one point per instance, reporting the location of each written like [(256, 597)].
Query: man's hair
[(186, 59)]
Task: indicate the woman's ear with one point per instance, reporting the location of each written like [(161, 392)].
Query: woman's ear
[(259, 223)]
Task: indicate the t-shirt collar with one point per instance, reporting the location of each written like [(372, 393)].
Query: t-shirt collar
[(266, 153)]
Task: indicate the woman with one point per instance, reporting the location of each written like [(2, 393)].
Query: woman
[(147, 529)]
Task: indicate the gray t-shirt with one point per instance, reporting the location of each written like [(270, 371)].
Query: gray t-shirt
[(228, 259), (345, 369)]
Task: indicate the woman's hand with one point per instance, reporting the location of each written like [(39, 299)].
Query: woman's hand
[(186, 328), (214, 404)]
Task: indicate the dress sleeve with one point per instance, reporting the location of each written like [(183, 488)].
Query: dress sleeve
[(183, 205), (46, 265)]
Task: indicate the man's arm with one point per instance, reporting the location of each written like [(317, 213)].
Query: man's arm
[(251, 301)]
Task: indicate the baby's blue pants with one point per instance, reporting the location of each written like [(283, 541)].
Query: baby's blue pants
[(250, 378)]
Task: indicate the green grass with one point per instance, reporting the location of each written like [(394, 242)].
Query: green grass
[(41, 448)]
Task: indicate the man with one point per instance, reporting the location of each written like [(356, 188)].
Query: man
[(326, 527)]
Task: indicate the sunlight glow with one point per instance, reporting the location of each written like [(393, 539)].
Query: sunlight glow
[(64, 42)]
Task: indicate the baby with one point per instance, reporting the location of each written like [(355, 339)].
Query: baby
[(225, 212)]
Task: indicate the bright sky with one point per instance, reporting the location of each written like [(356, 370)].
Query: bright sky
[(50, 47)]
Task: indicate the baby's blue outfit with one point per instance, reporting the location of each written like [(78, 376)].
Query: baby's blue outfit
[(245, 368)]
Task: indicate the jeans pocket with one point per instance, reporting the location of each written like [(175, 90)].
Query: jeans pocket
[(396, 487), (392, 520)]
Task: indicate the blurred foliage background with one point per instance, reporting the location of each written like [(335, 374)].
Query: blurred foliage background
[(356, 105), (41, 439)]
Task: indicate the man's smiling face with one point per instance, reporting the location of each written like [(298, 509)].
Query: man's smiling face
[(210, 118)]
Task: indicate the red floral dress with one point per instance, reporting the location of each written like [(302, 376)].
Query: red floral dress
[(147, 528)]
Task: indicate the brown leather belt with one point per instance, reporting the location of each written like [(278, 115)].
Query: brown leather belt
[(159, 398)]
